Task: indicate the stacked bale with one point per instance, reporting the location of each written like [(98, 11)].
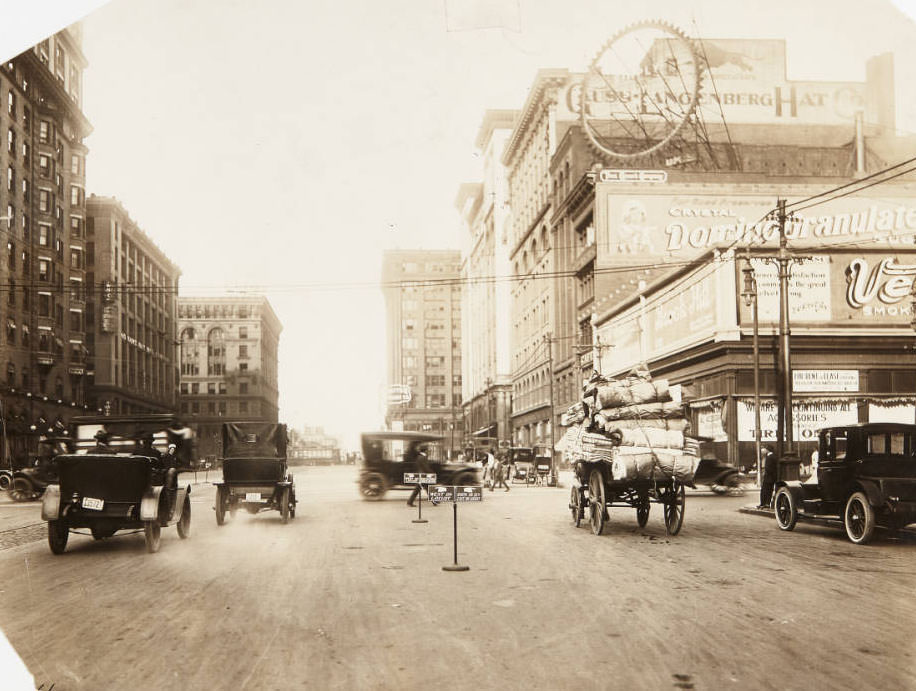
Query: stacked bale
[(633, 424)]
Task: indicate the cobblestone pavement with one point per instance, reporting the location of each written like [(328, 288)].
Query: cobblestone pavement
[(23, 535)]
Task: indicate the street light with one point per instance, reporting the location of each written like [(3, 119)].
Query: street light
[(750, 300)]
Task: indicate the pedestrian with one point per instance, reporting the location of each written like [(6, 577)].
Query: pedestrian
[(418, 456), (501, 470), (145, 448), (769, 476), (101, 443), (491, 469)]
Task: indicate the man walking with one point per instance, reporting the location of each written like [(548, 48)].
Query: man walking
[(769, 476), (420, 458), (500, 478)]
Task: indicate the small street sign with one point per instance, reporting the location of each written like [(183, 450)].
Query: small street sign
[(419, 478), (470, 493), (441, 493)]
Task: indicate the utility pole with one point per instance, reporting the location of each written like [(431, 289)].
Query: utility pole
[(553, 433), (750, 299)]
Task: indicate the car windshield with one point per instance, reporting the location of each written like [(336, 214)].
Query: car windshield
[(399, 450)]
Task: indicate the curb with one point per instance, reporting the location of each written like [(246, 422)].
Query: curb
[(769, 513)]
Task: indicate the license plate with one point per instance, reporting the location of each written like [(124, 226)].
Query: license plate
[(95, 504), (252, 496)]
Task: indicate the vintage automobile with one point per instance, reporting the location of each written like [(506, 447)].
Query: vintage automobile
[(866, 477), (123, 482), (521, 458), (388, 455), (255, 472)]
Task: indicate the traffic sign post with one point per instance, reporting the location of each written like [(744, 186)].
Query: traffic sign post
[(420, 479), (456, 494)]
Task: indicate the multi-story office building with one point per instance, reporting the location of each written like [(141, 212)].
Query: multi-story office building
[(422, 292), (228, 355), (42, 207), (312, 446), (537, 310), (486, 317), (131, 315)]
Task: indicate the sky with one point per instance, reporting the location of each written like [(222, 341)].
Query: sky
[(280, 146)]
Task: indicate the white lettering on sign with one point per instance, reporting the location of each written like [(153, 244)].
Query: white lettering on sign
[(889, 282)]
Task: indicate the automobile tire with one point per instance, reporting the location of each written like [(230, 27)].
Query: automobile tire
[(284, 506), (21, 490), (153, 532), (786, 509), (184, 523), (220, 505), (292, 502), (58, 532), (372, 486), (5, 481), (859, 519)]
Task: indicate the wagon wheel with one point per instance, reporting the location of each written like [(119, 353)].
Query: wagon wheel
[(575, 505), (284, 505), (152, 531), (220, 505), (292, 502), (673, 498), (596, 501), (58, 532), (642, 510), (184, 523)]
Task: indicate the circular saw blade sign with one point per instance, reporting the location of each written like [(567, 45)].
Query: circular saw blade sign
[(399, 394)]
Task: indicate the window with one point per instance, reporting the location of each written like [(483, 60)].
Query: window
[(243, 352), (216, 353), (76, 164), (44, 131), (195, 388), (456, 400), (44, 235), (44, 165), (10, 331), (11, 104), (211, 388), (190, 354), (435, 400), (243, 332), (195, 408), (76, 195), (222, 407), (222, 388), (76, 321), (184, 388), (243, 407), (243, 388), (211, 408), (44, 201), (243, 367), (11, 141), (76, 227), (76, 258), (435, 361), (435, 380), (10, 178), (43, 270)]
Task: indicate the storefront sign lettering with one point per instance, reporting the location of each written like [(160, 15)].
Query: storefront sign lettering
[(889, 282)]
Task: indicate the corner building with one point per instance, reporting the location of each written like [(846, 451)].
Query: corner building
[(228, 355), (43, 350)]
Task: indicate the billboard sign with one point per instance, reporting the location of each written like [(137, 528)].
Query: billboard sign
[(807, 417)]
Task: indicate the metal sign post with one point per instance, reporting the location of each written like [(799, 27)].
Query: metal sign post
[(456, 494), (420, 479)]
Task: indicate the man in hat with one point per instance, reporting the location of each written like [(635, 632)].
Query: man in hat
[(768, 481), (101, 443)]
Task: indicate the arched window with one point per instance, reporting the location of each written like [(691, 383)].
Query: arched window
[(190, 354), (216, 353)]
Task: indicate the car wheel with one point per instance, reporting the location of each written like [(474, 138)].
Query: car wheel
[(184, 523), (21, 490), (785, 509), (152, 531), (284, 505), (5, 481), (220, 505), (859, 519), (372, 486), (292, 502), (58, 532)]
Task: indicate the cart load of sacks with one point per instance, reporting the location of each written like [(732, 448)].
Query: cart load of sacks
[(634, 425)]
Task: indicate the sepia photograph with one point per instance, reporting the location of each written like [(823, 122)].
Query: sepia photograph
[(486, 344)]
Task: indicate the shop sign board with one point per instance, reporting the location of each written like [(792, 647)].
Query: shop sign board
[(709, 423), (807, 417), (825, 380)]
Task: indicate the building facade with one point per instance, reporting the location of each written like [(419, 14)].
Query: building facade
[(131, 318), (228, 364), (422, 292), (42, 207), (312, 446), (485, 270)]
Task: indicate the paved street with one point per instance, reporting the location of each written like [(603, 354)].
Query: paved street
[(351, 594)]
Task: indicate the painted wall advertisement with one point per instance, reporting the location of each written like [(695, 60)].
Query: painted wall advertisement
[(807, 417)]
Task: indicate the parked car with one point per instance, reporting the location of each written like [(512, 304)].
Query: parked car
[(388, 455), (866, 478), (255, 471)]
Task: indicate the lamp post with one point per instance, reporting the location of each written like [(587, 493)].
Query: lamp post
[(750, 300)]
